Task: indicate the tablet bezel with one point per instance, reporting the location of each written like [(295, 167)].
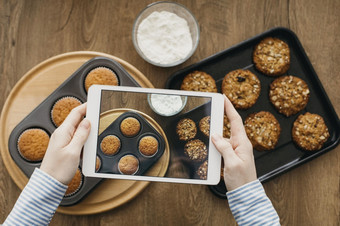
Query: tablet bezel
[(92, 114)]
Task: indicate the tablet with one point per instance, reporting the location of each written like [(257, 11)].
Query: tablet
[(153, 135)]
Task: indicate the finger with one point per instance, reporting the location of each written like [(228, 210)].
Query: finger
[(236, 124), (72, 120), (223, 146), (80, 136)]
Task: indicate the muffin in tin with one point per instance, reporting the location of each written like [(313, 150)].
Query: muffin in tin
[(62, 108), (32, 144), (98, 163), (75, 184), (110, 145), (130, 127), (128, 165), (148, 146), (101, 76)]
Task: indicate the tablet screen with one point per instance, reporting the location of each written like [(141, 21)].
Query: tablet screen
[(139, 133)]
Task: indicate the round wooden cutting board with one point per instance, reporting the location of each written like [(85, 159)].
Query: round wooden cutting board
[(29, 92)]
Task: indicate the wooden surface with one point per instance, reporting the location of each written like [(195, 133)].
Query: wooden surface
[(32, 31)]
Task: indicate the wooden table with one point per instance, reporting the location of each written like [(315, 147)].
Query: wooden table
[(32, 31)]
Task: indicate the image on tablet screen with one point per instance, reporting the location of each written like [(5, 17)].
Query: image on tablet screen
[(143, 133)]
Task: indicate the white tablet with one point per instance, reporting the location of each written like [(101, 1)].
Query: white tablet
[(153, 135)]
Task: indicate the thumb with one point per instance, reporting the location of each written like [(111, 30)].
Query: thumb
[(80, 136)]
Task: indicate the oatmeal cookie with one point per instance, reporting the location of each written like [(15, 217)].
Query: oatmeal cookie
[(289, 94), (310, 132), (196, 150), (199, 81), (263, 130), (204, 125), (242, 88), (272, 56), (203, 170), (186, 129)]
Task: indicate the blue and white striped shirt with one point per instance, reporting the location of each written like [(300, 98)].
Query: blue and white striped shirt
[(43, 194), (250, 205), (38, 201)]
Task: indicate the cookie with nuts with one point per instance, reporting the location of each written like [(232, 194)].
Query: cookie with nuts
[(199, 81), (204, 126), (289, 94), (242, 88), (263, 130), (196, 150), (202, 170), (272, 56), (186, 129), (310, 132)]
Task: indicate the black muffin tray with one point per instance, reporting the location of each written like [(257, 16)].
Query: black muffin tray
[(196, 115), (286, 154), (129, 145), (40, 117)]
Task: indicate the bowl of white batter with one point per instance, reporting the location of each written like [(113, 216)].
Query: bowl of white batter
[(165, 34), (166, 104)]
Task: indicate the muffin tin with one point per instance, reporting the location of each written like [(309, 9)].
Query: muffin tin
[(286, 154), (196, 115), (40, 117), (129, 145)]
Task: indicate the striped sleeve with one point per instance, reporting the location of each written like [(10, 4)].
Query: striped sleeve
[(38, 201), (250, 205)]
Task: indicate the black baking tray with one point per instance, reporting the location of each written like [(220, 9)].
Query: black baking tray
[(286, 154), (129, 145), (40, 117), (196, 115)]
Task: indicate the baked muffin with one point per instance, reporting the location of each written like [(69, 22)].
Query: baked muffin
[(242, 88), (263, 130), (130, 127), (202, 171), (204, 125), (148, 146), (289, 94), (199, 81), (101, 76), (98, 163), (128, 165), (226, 127), (75, 183), (62, 108), (186, 129), (272, 56), (310, 132), (32, 144), (110, 145), (196, 150)]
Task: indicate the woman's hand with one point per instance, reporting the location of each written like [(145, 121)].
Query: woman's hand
[(237, 152), (63, 153)]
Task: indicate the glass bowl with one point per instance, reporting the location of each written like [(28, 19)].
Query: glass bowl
[(184, 102), (180, 11)]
